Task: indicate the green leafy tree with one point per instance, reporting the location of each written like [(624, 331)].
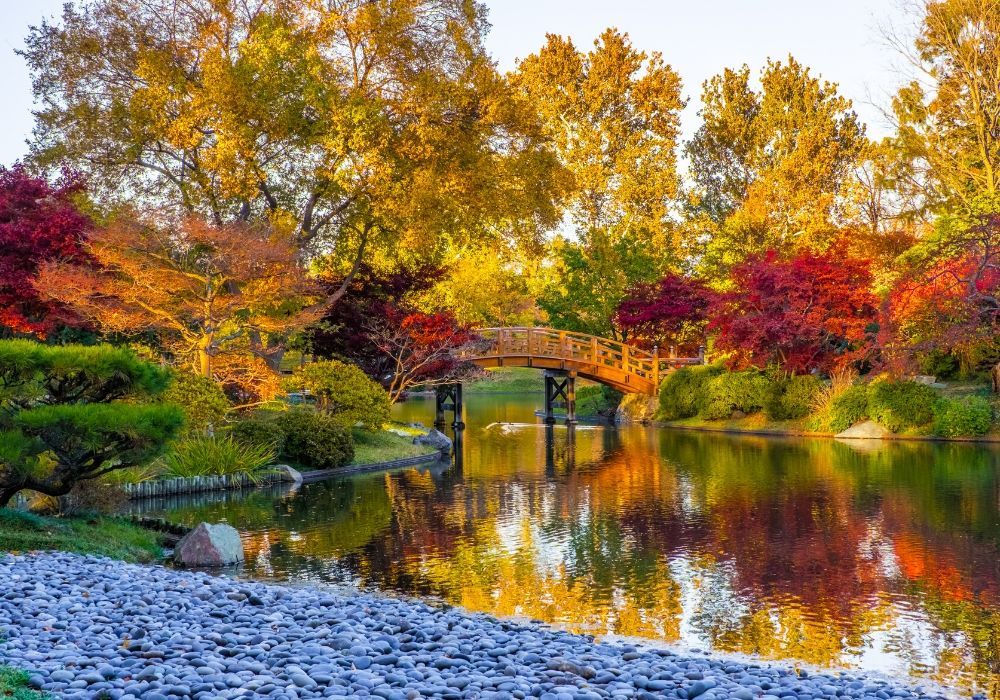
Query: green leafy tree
[(589, 281), (344, 392), (69, 414)]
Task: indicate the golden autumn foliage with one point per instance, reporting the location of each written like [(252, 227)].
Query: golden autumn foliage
[(220, 298)]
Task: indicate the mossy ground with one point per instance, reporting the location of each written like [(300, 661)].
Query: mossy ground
[(109, 537), (14, 684)]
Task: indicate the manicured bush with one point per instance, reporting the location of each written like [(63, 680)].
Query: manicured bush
[(969, 416), (204, 403), (792, 397), (898, 405), (344, 392), (735, 391), (316, 439), (216, 456), (683, 392), (259, 431), (69, 413), (847, 408)]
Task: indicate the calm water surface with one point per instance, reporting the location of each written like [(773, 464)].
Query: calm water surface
[(883, 557)]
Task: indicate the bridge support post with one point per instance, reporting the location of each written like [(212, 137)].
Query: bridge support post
[(560, 392), (448, 397)]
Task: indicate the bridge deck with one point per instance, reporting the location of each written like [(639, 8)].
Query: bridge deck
[(619, 365)]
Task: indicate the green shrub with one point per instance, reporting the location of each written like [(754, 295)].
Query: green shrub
[(792, 397), (735, 391), (682, 393), (204, 403), (216, 456), (316, 439), (597, 400), (847, 408), (969, 416), (345, 393), (898, 405), (258, 431), (939, 364)]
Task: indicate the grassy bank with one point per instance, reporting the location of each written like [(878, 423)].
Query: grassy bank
[(109, 537), (14, 684), (386, 446), (508, 380)]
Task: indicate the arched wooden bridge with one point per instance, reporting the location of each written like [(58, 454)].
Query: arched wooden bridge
[(609, 362)]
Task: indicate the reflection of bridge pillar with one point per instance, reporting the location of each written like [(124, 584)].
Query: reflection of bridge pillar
[(448, 397), (565, 456), (560, 392)]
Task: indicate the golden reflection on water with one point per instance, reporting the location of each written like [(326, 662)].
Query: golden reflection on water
[(832, 554)]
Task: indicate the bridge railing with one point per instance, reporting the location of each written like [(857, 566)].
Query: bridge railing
[(576, 347)]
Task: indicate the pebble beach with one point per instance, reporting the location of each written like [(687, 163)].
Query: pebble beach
[(87, 627)]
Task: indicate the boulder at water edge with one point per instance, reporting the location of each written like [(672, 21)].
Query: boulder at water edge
[(869, 430), (287, 475), (210, 545), (436, 439)]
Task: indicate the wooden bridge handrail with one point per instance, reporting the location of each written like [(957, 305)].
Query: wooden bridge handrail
[(620, 364)]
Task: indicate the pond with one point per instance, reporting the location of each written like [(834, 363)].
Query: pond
[(883, 557)]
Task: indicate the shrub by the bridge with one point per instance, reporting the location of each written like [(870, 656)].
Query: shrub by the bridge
[(970, 416), (683, 391), (72, 413), (847, 408), (260, 432), (315, 439), (204, 403), (729, 392), (900, 404), (792, 397)]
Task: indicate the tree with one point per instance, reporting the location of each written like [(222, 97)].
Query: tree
[(420, 348), (39, 222), (613, 115), (348, 124), (70, 414), (948, 299), (948, 117), (588, 282), (770, 165), (220, 299), (805, 313), (345, 392), (672, 312)]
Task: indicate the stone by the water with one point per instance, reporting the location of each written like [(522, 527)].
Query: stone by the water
[(288, 475), (210, 545), (868, 430), (436, 439), (148, 632)]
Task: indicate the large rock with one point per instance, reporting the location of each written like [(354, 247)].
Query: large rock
[(287, 475), (869, 430), (210, 545), (436, 439)]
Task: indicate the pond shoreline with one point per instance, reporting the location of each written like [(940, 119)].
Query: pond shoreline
[(986, 440), (82, 625)]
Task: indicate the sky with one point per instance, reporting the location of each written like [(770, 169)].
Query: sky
[(840, 40)]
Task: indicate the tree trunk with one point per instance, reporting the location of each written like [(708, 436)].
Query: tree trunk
[(204, 362), (995, 377)]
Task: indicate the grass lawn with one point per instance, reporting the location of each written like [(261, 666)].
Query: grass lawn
[(110, 537), (385, 446), (14, 684), (508, 380)]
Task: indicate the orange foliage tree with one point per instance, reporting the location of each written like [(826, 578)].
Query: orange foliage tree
[(219, 298)]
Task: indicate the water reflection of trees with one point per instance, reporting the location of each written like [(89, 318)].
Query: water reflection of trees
[(814, 550)]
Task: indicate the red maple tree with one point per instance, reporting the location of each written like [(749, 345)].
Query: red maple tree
[(809, 312), (670, 313), (39, 222)]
